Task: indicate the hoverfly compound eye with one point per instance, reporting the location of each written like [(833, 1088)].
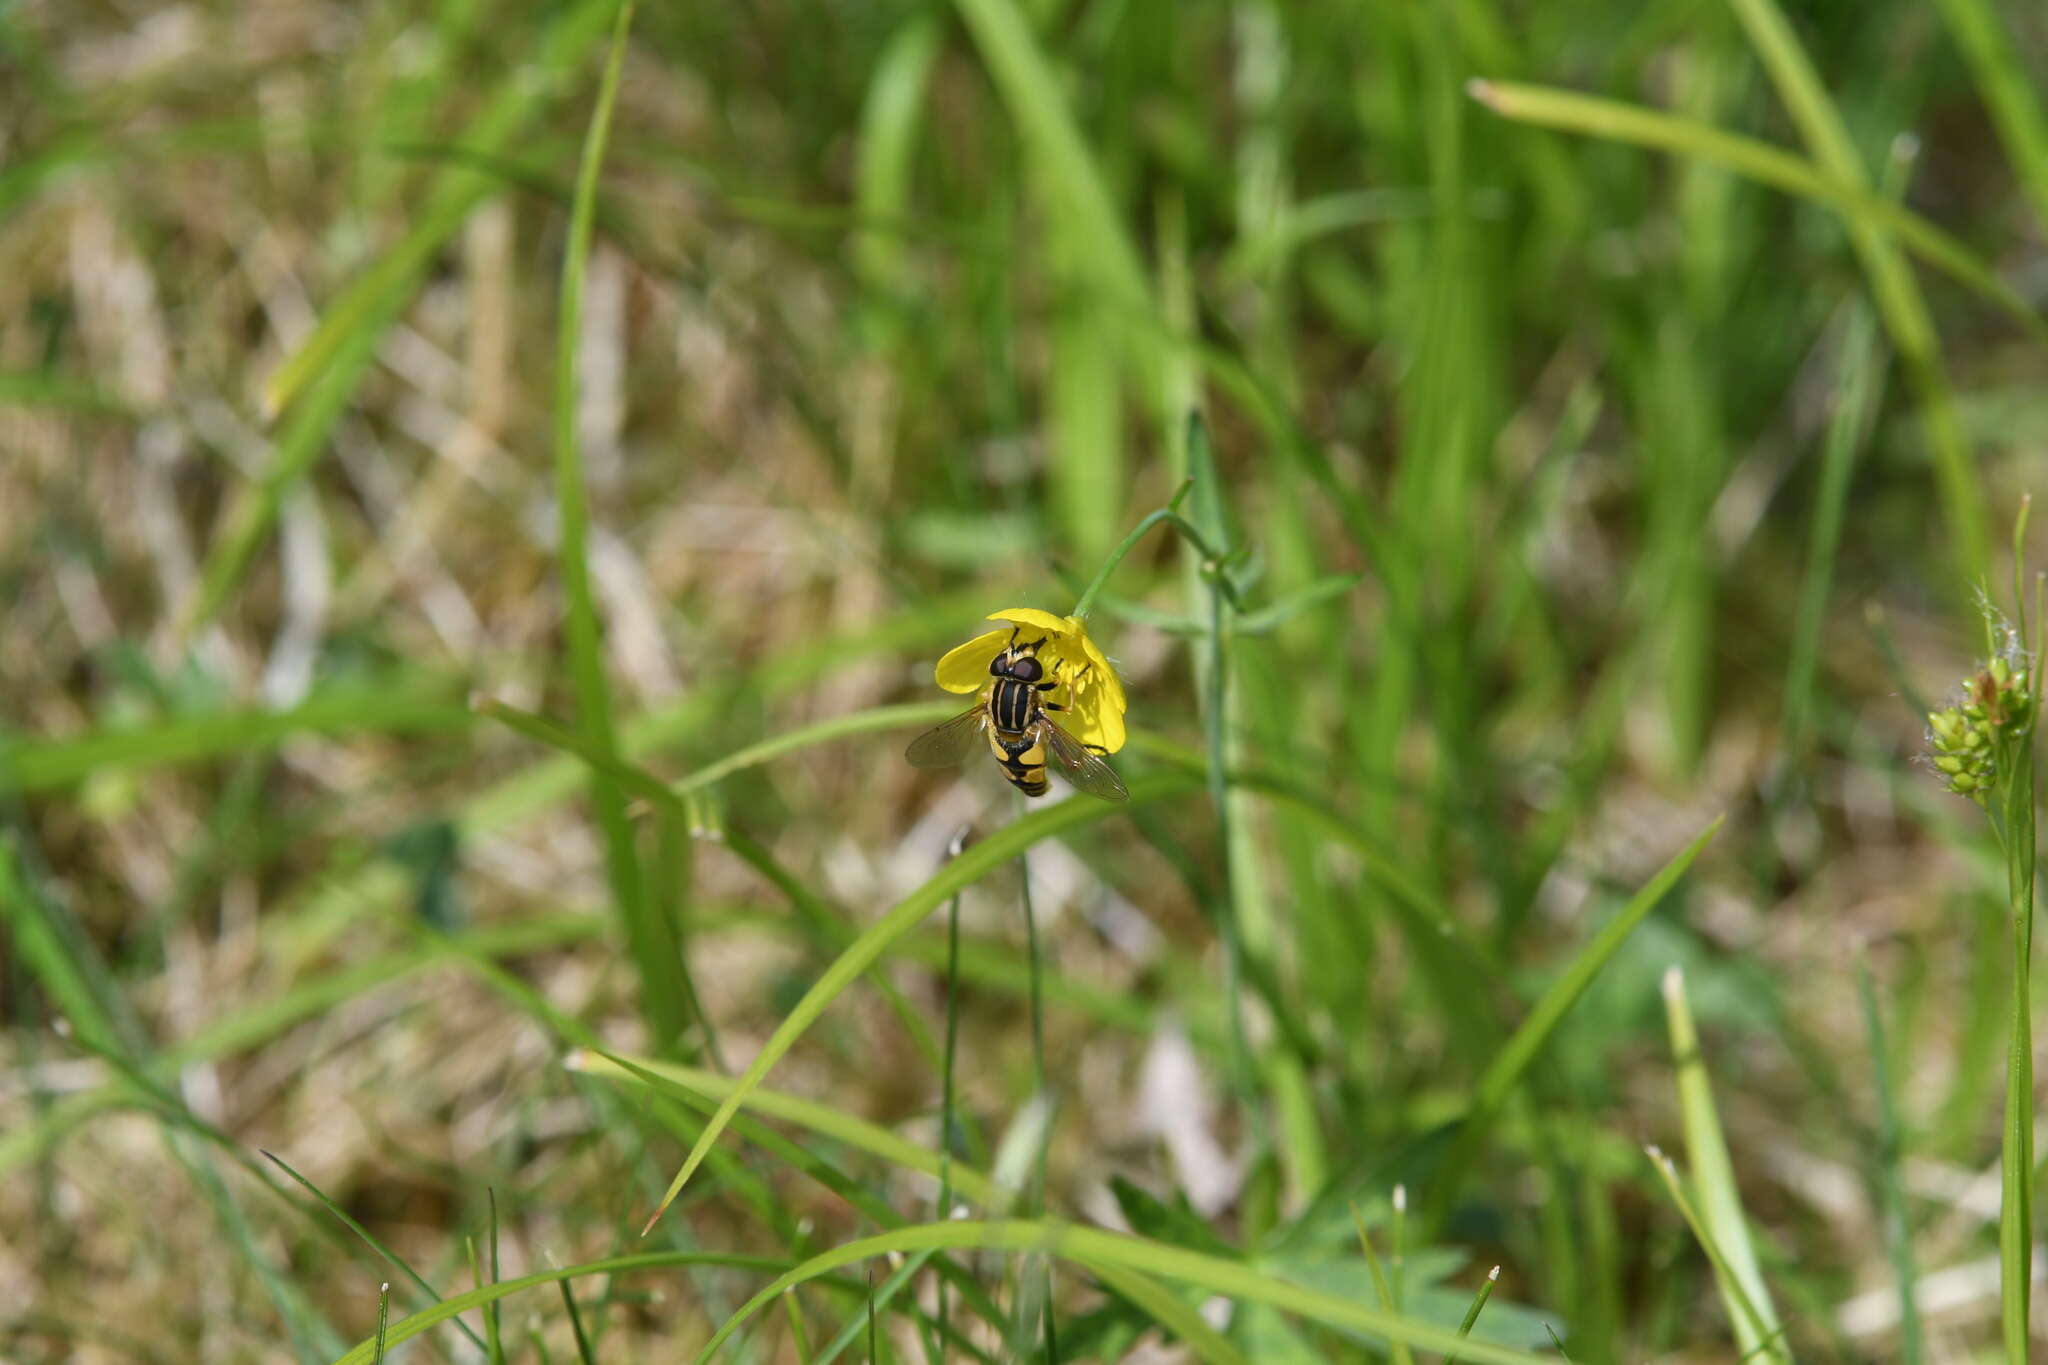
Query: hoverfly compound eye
[(1026, 670)]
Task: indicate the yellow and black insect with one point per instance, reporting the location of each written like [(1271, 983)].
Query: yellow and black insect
[(1021, 735)]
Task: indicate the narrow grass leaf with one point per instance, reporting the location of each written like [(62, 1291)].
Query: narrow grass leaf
[(1897, 293), (1528, 1039), (1891, 1193), (841, 1127), (1617, 121), (1747, 1318), (583, 1352), (370, 1239), (43, 764), (649, 936), (1718, 1200), (973, 864), (799, 1336), (1092, 1247), (1471, 1318), (1401, 1355), (405, 1329), (2010, 92), (1173, 1313), (329, 364), (1859, 382), (891, 118), (369, 303)]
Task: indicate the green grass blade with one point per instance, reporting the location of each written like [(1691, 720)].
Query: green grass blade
[(1528, 1039), (576, 1324), (254, 509), (1748, 1319), (1472, 1313), (1031, 91), (42, 389), (1091, 1247), (841, 1127), (1617, 121), (1891, 1194), (799, 1336), (2009, 92), (649, 936), (328, 365), (891, 119), (902, 715), (370, 1239), (973, 864), (1858, 387), (2016, 1197), (1400, 1354), (373, 300), (405, 1329), (1891, 280), (1718, 1201), (48, 944), (878, 1300), (43, 764), (1173, 1313)]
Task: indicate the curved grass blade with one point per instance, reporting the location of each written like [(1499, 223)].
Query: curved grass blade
[(1891, 1194), (1719, 1204), (1748, 1318), (822, 1119), (2011, 95), (1091, 1248), (902, 715), (1759, 161), (1892, 284), (1478, 1306), (369, 303), (328, 365), (973, 864), (405, 1329), (649, 934), (38, 765), (392, 1258), (1506, 1071)]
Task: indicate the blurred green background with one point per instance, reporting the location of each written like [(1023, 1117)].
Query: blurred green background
[(1587, 476)]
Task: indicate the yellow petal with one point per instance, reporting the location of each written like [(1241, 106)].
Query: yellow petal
[(1095, 720), (1033, 617), (965, 667), (1102, 672)]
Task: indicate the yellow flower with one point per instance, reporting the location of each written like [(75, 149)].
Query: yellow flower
[(1088, 686)]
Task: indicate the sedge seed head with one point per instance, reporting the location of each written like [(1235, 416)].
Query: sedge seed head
[(1993, 710)]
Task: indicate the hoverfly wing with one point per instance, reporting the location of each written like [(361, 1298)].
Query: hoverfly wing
[(1079, 765), (947, 745)]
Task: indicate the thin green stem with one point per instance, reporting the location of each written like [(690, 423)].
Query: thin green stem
[(1041, 1085), (1898, 1233), (947, 1098), (1168, 513), (2015, 1220), (1217, 771)]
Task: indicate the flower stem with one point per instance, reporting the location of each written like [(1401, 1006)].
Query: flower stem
[(1041, 1085), (947, 1099), (1168, 513), (2015, 1214)]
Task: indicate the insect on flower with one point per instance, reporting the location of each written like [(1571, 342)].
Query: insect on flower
[(1038, 666)]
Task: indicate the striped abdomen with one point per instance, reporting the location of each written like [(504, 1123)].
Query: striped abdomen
[(1012, 736)]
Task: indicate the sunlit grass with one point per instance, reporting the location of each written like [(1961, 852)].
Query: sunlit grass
[(481, 505)]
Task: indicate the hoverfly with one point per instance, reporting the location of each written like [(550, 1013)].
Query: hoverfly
[(1020, 732)]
